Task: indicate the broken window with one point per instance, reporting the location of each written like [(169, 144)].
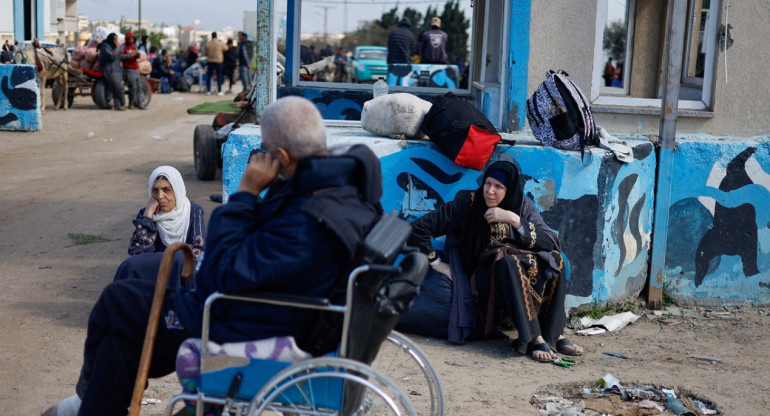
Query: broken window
[(630, 53)]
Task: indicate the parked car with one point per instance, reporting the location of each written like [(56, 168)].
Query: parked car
[(369, 63)]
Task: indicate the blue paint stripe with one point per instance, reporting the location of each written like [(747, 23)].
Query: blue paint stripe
[(18, 19), (518, 62)]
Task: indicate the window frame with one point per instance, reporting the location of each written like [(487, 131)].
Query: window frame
[(297, 82), (710, 37)]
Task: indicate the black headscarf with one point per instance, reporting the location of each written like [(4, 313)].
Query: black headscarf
[(112, 40), (477, 233)]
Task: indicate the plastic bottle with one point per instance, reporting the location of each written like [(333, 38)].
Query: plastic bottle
[(380, 88)]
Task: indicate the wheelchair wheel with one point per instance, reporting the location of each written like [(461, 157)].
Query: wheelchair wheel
[(327, 385), (405, 365)]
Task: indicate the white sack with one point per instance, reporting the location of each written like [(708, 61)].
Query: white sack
[(395, 115)]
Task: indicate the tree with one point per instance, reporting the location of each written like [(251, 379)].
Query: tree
[(454, 23), (389, 19), (614, 42)]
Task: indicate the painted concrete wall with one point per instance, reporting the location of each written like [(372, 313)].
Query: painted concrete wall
[(601, 208), (19, 98), (741, 103), (718, 246)]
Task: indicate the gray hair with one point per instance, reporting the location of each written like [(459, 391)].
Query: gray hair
[(295, 124)]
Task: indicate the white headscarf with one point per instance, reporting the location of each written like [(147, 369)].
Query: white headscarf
[(172, 225)]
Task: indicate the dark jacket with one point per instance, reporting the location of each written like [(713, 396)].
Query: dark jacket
[(230, 58), (432, 47), (159, 68), (109, 58), (297, 240), (146, 239), (245, 53), (401, 43)]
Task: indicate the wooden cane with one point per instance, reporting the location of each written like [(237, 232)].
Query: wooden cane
[(161, 283)]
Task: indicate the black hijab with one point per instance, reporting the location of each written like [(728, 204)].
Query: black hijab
[(477, 233)]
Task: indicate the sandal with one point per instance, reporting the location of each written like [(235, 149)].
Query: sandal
[(566, 347), (539, 347)]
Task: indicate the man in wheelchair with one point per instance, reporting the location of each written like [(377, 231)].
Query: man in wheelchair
[(297, 240)]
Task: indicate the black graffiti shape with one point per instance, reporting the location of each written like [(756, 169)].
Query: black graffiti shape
[(624, 190), (400, 71), (576, 221), (433, 170), (734, 231), (19, 98), (450, 73), (404, 179), (765, 285), (7, 119)]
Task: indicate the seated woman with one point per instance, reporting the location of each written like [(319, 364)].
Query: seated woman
[(503, 254), (169, 217)]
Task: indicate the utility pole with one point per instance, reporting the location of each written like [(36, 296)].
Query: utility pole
[(140, 20), (326, 10), (345, 26)]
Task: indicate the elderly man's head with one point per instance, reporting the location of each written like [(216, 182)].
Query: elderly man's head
[(294, 125)]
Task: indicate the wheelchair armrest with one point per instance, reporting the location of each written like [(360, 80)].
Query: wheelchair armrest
[(260, 297)]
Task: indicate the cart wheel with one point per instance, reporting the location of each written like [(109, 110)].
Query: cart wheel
[(56, 93), (144, 85), (101, 94), (205, 152)]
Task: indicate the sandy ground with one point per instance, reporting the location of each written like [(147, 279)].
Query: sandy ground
[(59, 181)]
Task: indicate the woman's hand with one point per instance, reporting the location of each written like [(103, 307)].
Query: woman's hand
[(444, 269), (501, 215), (153, 206)]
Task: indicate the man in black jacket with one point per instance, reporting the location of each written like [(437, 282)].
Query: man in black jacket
[(296, 240), (401, 43)]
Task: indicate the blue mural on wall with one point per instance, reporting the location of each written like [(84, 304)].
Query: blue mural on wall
[(19, 98), (718, 242), (424, 75), (602, 212)]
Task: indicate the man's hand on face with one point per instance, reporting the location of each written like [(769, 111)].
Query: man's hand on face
[(261, 171)]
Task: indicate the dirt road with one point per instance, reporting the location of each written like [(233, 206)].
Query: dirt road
[(59, 181)]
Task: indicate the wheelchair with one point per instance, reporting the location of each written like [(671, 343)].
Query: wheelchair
[(373, 371)]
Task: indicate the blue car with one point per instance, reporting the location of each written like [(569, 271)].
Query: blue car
[(369, 63)]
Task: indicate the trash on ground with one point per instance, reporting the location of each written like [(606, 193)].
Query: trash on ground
[(615, 354), (591, 399), (607, 323), (709, 359), (160, 138)]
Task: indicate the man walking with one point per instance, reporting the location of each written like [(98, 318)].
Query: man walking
[(215, 54), (245, 56), (401, 43)]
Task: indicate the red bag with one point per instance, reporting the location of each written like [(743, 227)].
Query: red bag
[(461, 131)]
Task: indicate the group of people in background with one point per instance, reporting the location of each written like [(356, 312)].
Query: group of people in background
[(216, 60), (6, 57), (431, 48)]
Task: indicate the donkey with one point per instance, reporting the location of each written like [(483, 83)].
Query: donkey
[(52, 63)]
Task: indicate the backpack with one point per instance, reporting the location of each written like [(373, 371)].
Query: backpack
[(165, 87), (461, 131), (559, 114)]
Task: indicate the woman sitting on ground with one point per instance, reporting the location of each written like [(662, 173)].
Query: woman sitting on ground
[(168, 218), (501, 251)]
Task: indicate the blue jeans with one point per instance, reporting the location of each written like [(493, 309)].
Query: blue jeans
[(245, 73), (210, 69)]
